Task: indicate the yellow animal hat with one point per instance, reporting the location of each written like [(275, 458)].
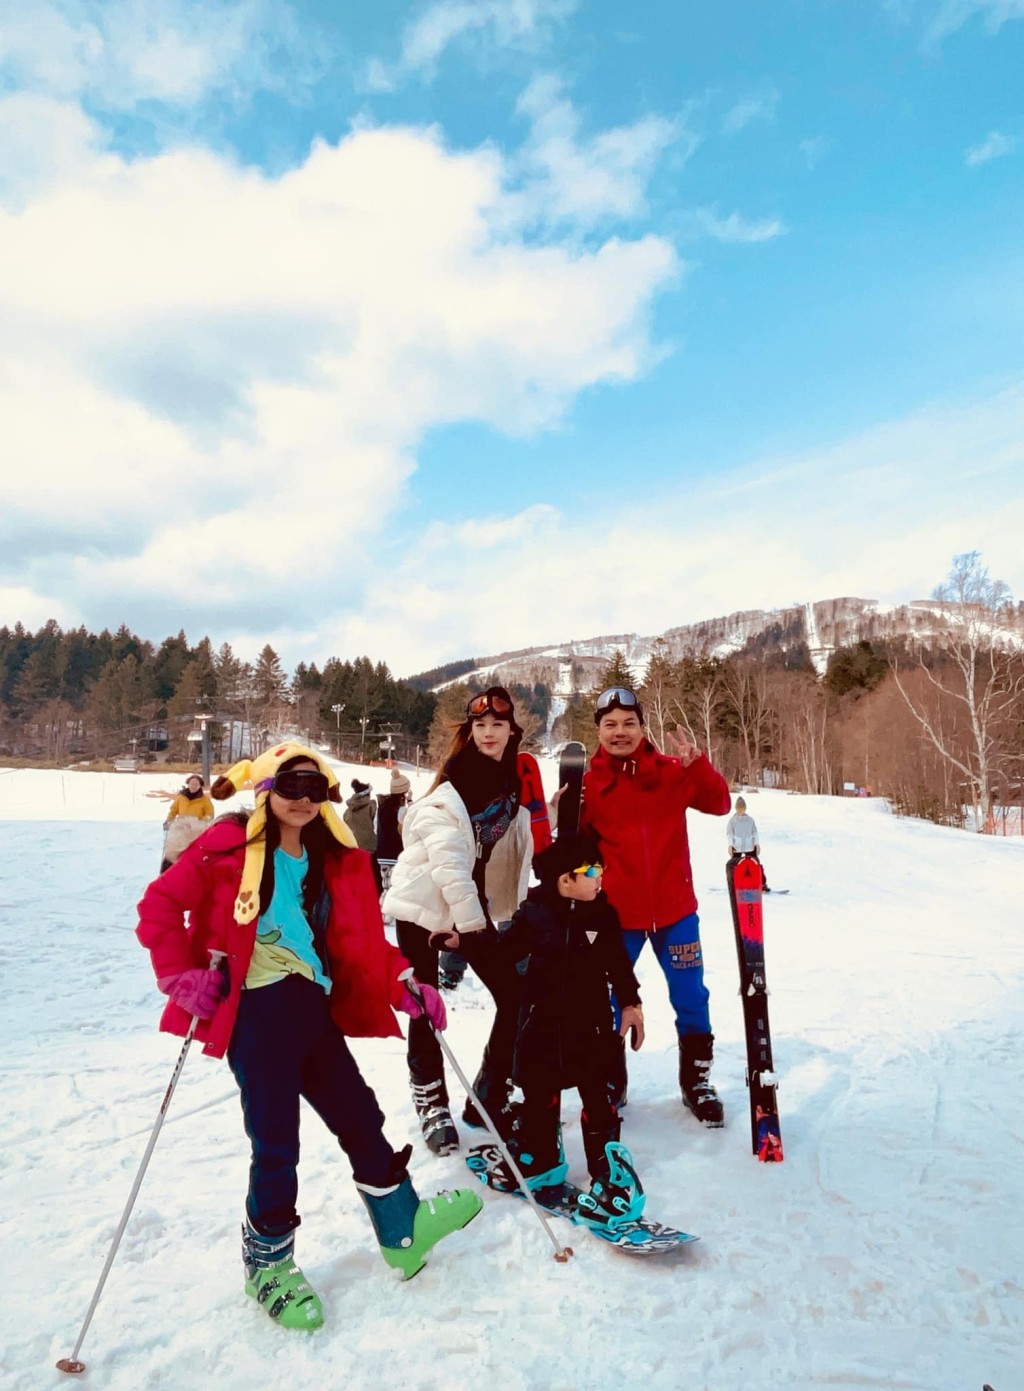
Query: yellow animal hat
[(258, 774)]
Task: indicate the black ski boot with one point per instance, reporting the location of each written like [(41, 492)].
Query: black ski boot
[(696, 1052), (431, 1102), (618, 1076), (493, 1097)]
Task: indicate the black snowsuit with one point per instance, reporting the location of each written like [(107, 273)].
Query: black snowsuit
[(566, 1036)]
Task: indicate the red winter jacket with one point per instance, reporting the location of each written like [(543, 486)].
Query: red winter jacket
[(363, 966), (637, 808)]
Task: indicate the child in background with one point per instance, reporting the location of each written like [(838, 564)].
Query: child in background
[(187, 818), (293, 905), (741, 834)]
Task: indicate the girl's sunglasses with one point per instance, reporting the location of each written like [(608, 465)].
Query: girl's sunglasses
[(489, 704), (590, 871), (295, 784)]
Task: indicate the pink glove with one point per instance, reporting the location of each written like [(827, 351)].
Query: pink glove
[(432, 1005), (198, 991)]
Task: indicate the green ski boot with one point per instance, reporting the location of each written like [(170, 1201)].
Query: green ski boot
[(274, 1280), (408, 1228)]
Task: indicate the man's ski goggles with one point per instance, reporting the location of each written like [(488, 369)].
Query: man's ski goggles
[(617, 698), (489, 704), (294, 784), (590, 871)]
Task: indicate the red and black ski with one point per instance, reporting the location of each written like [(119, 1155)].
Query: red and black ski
[(572, 764), (745, 879)]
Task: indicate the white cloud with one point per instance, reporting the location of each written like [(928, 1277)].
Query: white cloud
[(44, 140), (994, 146), (119, 53), (941, 18), (757, 107), (213, 390), (487, 26), (734, 228), (814, 149), (877, 516), (572, 177)]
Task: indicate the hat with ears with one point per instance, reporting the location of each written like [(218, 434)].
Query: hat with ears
[(399, 782), (259, 774)]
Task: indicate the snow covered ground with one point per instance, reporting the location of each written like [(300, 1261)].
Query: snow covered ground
[(884, 1253)]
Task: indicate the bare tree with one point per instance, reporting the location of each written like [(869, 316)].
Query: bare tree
[(979, 676)]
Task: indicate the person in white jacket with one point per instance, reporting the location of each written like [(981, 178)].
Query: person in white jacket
[(464, 866), (741, 833)]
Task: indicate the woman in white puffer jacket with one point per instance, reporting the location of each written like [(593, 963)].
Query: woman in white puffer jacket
[(465, 865)]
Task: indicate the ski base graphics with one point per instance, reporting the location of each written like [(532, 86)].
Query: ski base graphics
[(744, 879), (638, 1237)]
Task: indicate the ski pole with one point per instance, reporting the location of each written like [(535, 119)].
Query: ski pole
[(562, 1253), (71, 1364)]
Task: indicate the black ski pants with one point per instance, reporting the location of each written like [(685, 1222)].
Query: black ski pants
[(483, 951)]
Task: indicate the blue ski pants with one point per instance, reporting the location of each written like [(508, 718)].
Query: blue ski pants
[(677, 948)]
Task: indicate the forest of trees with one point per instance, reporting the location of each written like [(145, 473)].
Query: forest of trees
[(81, 695), (936, 726)]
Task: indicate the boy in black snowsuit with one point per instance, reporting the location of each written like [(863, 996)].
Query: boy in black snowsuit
[(566, 1037)]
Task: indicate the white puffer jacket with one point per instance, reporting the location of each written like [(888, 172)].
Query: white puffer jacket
[(432, 881)]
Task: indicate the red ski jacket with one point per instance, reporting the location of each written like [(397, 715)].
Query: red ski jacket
[(637, 809), (363, 966)]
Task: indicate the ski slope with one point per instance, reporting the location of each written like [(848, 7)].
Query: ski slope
[(884, 1253)]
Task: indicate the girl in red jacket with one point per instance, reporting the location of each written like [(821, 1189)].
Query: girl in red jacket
[(293, 906)]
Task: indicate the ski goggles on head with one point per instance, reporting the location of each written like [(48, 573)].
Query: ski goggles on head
[(590, 871), (294, 784), (617, 698), (489, 704)]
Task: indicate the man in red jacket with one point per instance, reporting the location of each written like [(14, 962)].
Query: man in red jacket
[(635, 802)]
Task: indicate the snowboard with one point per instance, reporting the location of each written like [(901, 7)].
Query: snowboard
[(744, 881), (637, 1238), (572, 764)]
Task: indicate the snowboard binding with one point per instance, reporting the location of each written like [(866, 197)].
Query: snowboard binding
[(616, 1201)]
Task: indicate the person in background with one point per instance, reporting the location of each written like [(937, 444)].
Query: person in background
[(391, 807), (465, 863), (360, 814), (741, 834), (187, 818), (635, 801), (289, 900)]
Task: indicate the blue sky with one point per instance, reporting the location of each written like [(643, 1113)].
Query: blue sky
[(427, 330)]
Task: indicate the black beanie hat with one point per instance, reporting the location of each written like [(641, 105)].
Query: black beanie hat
[(564, 855)]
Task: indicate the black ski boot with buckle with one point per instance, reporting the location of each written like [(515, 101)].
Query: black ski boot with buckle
[(696, 1052), (431, 1102)]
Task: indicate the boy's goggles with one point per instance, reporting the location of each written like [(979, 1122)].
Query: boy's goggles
[(590, 871), (295, 784)]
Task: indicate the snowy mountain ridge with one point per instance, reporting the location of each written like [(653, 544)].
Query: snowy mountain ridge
[(822, 626)]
